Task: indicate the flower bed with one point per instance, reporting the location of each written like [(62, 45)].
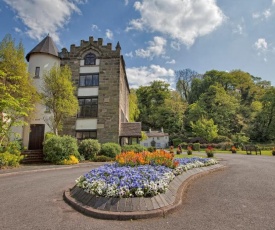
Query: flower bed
[(159, 157), (114, 180)]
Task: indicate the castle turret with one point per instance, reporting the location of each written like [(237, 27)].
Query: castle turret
[(41, 59)]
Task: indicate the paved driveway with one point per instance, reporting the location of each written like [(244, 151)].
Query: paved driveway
[(240, 197)]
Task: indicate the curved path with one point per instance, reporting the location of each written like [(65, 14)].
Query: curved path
[(240, 197)]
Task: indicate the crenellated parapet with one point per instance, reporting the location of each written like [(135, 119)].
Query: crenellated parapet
[(101, 50)]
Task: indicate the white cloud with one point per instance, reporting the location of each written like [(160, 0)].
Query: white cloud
[(273, 2), (129, 55), (43, 17), (175, 45), (267, 13), (126, 2), (141, 76), (256, 15), (109, 34), (95, 27), (171, 62), (263, 15), (183, 20), (238, 29), (261, 44), (16, 29), (155, 48)]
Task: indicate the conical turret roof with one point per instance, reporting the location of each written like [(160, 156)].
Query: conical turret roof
[(45, 46)]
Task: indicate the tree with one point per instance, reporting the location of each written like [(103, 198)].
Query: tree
[(218, 105), (150, 99), (263, 127), (170, 115), (205, 128), (133, 106), (184, 79), (17, 94), (58, 96)]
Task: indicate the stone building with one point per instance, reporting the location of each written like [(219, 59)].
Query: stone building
[(99, 73), (158, 139)]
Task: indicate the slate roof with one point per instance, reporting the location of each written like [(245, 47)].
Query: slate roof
[(156, 134), (45, 46), (130, 129)]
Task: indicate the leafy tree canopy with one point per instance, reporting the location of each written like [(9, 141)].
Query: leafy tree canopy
[(58, 94), (17, 94)]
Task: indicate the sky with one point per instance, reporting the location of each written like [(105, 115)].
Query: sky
[(157, 37)]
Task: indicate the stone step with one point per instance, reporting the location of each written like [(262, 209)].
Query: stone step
[(33, 156)]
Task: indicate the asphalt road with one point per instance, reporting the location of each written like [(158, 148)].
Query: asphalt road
[(240, 197)]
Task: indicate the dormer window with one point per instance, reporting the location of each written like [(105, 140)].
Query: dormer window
[(89, 59)]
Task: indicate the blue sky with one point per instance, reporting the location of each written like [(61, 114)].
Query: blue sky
[(157, 37)]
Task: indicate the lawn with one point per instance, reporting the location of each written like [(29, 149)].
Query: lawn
[(203, 154)]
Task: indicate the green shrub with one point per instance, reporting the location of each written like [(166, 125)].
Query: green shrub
[(57, 149), (89, 148), (151, 149), (48, 135), (110, 149), (13, 147), (189, 150), (176, 141), (184, 145), (102, 159), (219, 139), (8, 159), (196, 147), (137, 148)]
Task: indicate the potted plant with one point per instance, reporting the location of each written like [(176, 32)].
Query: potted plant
[(179, 150), (172, 149), (273, 151), (233, 149), (209, 151), (189, 150)]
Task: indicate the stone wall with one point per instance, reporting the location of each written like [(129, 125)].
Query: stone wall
[(111, 75)]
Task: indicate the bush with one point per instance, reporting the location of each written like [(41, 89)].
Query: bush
[(137, 148), (151, 149), (176, 141), (102, 159), (196, 147), (89, 148), (183, 145), (13, 147), (8, 159), (57, 149), (110, 149), (219, 139), (48, 135), (189, 150), (72, 160)]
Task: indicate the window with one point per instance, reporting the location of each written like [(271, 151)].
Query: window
[(87, 134), (37, 70), (87, 107), (89, 80), (89, 59), (47, 109)]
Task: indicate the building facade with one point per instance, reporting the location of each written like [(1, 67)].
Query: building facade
[(158, 139), (98, 72)]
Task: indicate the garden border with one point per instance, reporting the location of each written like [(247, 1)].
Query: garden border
[(138, 207)]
